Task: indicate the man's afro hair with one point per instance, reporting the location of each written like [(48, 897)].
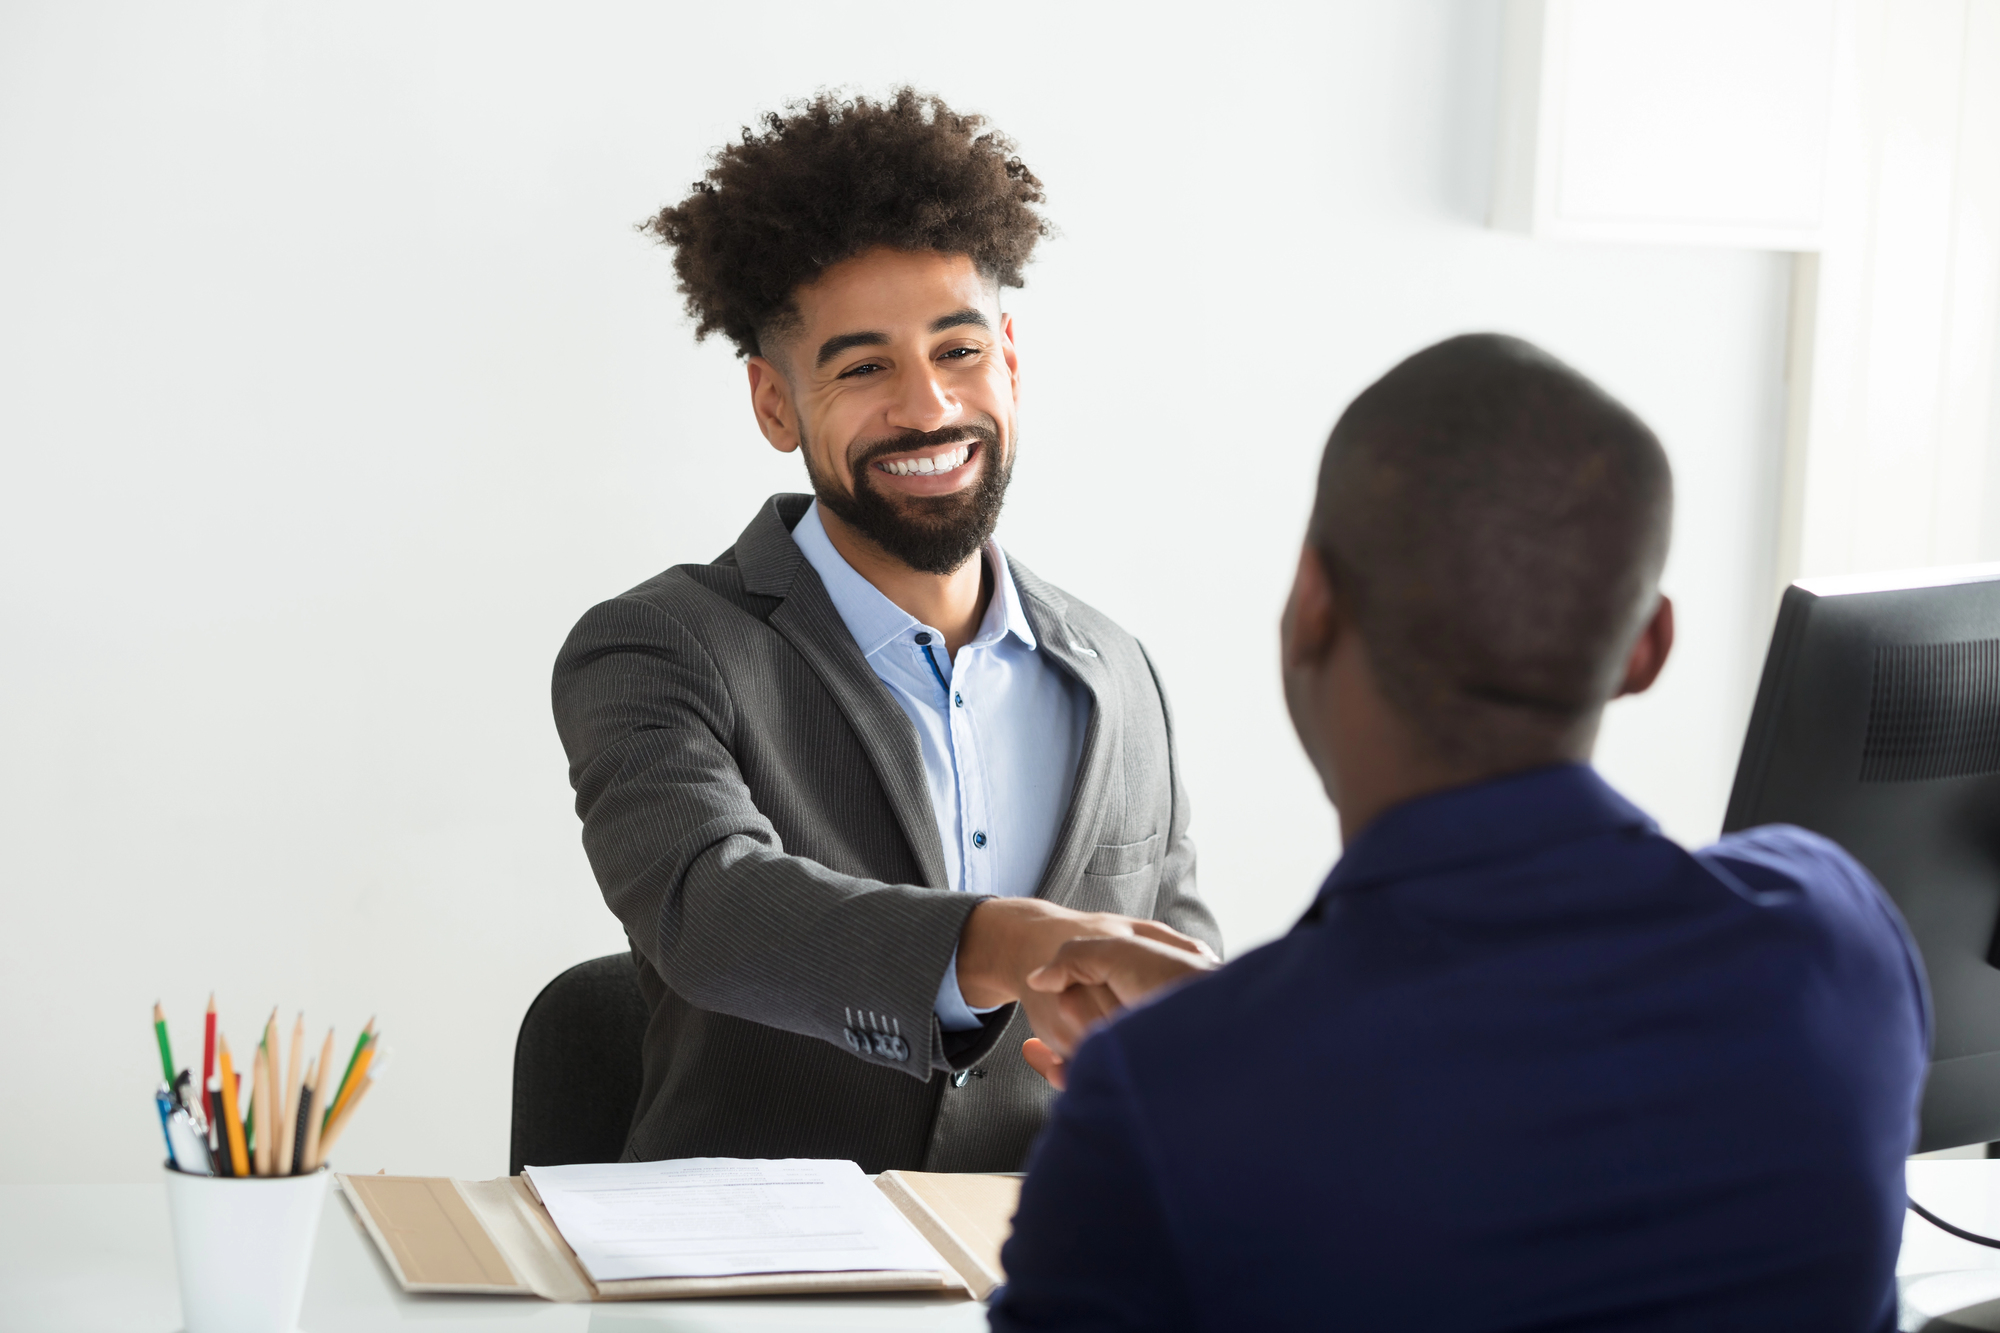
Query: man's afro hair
[(831, 178)]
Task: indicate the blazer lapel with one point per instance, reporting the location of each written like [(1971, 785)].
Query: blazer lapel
[(1103, 737), (773, 566)]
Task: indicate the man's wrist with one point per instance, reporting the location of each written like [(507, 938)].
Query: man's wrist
[(953, 1013), (992, 964)]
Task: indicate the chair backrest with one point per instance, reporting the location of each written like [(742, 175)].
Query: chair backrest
[(576, 1066)]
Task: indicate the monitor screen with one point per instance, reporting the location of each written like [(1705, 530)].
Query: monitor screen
[(1877, 724)]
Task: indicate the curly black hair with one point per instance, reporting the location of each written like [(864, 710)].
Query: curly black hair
[(833, 177)]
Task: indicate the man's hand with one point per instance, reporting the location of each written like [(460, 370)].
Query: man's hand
[(1005, 939), (1130, 968), (1126, 968), (1041, 1058)]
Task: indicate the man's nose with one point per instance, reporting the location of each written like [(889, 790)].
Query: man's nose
[(923, 401)]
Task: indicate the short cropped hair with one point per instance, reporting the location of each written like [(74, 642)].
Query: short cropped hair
[(831, 178), (1498, 523)]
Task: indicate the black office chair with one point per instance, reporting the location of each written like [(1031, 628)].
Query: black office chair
[(576, 1066)]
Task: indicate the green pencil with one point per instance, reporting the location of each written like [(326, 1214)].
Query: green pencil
[(348, 1073), (166, 1049)]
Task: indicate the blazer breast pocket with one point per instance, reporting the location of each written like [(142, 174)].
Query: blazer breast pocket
[(1123, 858), (1120, 877)]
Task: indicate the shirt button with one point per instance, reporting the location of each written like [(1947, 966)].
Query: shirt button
[(979, 838), (958, 699), (923, 637)]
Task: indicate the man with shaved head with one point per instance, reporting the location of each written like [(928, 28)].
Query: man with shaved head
[(1525, 1063)]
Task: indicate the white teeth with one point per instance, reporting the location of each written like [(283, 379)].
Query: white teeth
[(945, 462)]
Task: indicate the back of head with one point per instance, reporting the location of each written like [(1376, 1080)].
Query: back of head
[(1498, 524)]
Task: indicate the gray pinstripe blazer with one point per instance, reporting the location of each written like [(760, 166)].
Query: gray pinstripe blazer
[(754, 806)]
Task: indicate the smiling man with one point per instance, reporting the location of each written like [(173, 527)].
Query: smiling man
[(850, 783)]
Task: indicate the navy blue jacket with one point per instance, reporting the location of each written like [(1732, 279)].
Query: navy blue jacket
[(1526, 1064)]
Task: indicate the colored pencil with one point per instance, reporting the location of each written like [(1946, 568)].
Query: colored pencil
[(232, 1123), (297, 1165), (344, 1117), (208, 1044), (261, 1157), (274, 1112), (166, 1048), (288, 1130), (265, 1120), (223, 1164), (347, 1075), (246, 1105), (252, 1107), (319, 1092), (352, 1083)]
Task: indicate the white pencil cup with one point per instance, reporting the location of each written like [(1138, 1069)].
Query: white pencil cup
[(244, 1246)]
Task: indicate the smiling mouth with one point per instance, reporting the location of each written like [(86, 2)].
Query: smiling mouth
[(949, 459)]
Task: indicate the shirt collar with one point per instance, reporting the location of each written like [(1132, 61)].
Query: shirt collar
[(1487, 821), (875, 621)]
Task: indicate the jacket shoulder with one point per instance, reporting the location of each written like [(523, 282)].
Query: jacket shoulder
[(690, 594), (672, 612), (1078, 614), (750, 578)]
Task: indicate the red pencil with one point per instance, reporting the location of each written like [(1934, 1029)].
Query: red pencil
[(208, 1044)]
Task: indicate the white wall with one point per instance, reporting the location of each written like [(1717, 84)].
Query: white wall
[(335, 384), (1897, 330)]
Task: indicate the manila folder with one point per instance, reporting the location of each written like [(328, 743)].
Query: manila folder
[(494, 1237), (967, 1218)]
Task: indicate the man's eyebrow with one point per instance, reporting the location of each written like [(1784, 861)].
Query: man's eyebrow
[(834, 346), (960, 317)]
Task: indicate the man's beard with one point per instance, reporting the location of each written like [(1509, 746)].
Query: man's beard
[(933, 533)]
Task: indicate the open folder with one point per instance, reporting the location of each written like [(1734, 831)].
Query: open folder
[(497, 1237)]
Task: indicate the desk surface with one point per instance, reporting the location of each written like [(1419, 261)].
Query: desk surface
[(100, 1258), (85, 1258)]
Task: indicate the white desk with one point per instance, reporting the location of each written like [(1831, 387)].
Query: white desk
[(1938, 1273), (100, 1259), (91, 1258)]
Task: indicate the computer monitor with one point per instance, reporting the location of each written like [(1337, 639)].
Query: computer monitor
[(1877, 724)]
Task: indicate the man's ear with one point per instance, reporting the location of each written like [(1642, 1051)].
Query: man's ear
[(1010, 355), (1311, 622), (1649, 654), (771, 402)]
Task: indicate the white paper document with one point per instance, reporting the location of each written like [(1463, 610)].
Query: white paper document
[(714, 1216)]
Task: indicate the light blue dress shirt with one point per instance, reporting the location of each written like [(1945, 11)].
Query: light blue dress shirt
[(1000, 727)]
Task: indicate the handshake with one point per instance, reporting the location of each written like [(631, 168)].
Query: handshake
[(1069, 970)]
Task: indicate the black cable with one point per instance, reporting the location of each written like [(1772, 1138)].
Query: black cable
[(1943, 1225)]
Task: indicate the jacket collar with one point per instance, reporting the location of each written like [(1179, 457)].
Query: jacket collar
[(1103, 752), (766, 553), (774, 566), (1494, 820), (875, 621)]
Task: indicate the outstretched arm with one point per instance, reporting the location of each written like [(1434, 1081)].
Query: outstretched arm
[(701, 879), (730, 920)]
